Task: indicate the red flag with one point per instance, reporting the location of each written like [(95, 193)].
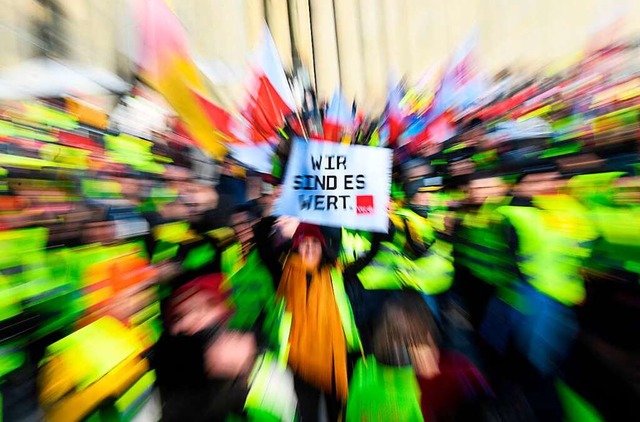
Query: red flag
[(266, 110), (271, 98), (219, 117), (436, 132), (503, 107), (78, 141), (273, 107)]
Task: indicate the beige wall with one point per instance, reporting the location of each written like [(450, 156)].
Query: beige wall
[(359, 45), (355, 44)]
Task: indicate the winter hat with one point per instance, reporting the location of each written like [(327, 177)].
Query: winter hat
[(308, 230)]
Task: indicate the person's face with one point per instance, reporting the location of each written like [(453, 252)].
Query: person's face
[(311, 252), (130, 187), (481, 189), (204, 198), (422, 198), (539, 184), (417, 172), (473, 136), (242, 226), (195, 314), (425, 360)]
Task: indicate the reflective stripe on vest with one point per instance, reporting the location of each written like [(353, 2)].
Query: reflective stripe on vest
[(345, 311), (433, 273), (619, 249), (271, 393), (354, 245), (383, 271)]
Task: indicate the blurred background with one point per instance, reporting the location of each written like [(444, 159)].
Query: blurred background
[(352, 44)]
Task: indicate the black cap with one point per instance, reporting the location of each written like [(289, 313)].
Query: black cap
[(410, 168)]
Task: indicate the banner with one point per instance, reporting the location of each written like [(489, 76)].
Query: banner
[(337, 185)]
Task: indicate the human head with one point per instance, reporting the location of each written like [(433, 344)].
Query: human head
[(310, 244), (420, 191), (406, 334), (242, 221), (415, 168), (538, 183), (197, 305), (472, 130), (486, 186)]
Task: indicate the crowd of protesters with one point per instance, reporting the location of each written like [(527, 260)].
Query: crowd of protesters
[(506, 287)]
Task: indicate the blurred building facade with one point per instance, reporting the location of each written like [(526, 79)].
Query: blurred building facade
[(82, 31), (355, 44)]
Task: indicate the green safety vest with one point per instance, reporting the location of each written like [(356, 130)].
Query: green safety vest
[(28, 281), (12, 356), (552, 245), (432, 273), (396, 265), (482, 245), (383, 393), (618, 249), (271, 395), (354, 244), (167, 238), (411, 227), (252, 291), (231, 259)]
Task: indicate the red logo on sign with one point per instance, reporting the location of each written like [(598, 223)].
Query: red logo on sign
[(364, 204)]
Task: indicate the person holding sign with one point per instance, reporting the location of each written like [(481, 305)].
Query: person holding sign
[(319, 323)]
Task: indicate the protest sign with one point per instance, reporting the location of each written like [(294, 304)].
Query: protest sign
[(337, 185)]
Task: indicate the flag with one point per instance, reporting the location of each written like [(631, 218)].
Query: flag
[(414, 125), (164, 63), (269, 65), (461, 85), (503, 107), (271, 99), (394, 117), (258, 157), (265, 111), (337, 119), (218, 117), (439, 130)]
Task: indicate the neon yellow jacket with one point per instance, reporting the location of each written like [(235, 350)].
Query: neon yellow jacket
[(399, 265), (552, 243)]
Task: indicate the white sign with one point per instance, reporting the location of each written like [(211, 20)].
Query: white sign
[(337, 185)]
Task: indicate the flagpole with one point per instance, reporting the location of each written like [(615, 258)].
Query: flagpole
[(297, 114)]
